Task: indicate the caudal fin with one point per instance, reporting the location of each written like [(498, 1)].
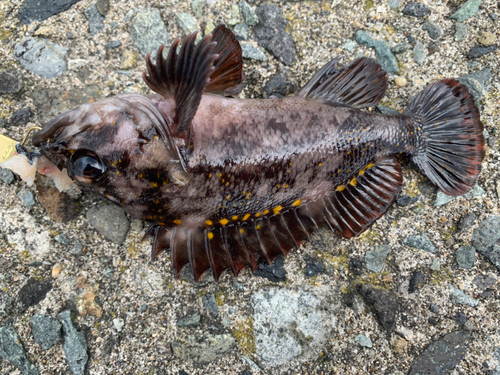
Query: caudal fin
[(450, 142)]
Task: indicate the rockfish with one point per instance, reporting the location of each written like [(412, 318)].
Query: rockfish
[(230, 182)]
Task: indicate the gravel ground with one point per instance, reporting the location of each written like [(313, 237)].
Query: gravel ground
[(416, 292)]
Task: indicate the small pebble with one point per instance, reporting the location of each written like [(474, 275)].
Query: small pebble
[(240, 31), (460, 298), (432, 29), (465, 256), (28, 199), (434, 308), (62, 239), (400, 48), (401, 81), (486, 38), (363, 341), (144, 308), (466, 221), (419, 53), (56, 270), (460, 31), (416, 10), (417, 280), (355, 266), (77, 248), (375, 259), (136, 225), (436, 264), (6, 176), (460, 318), (314, 268), (118, 323), (476, 52)]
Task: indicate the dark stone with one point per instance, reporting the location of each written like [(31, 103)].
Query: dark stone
[(113, 44), (441, 356), (46, 330), (84, 74), (400, 48), (427, 188), (406, 200), (275, 272), (416, 10), (190, 320), (182, 372), (485, 237), (11, 82), (39, 10), (110, 221), (488, 293), (433, 320), (383, 303), (417, 280), (314, 268), (21, 117), (484, 281), (102, 6), (466, 221), (52, 102), (210, 304), (271, 33), (410, 39), (432, 29), (355, 266), (465, 256), (460, 318), (434, 308), (95, 19), (33, 292), (74, 344), (58, 205), (433, 47), (279, 86), (246, 372), (12, 350), (476, 52)]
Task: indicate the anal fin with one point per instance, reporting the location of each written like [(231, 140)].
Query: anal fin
[(363, 200)]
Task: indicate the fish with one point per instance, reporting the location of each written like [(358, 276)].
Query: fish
[(229, 183)]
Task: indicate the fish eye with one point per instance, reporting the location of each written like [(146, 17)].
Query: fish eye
[(87, 168)]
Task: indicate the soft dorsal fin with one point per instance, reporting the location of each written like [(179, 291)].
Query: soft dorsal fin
[(213, 65), (361, 84), (227, 78)]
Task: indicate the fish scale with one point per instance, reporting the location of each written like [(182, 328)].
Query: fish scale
[(229, 183)]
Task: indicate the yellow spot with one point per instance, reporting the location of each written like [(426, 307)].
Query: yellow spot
[(297, 203), (361, 172), (265, 212), (277, 209), (257, 214), (320, 164), (227, 183), (220, 175), (340, 171), (177, 222), (228, 197), (258, 227), (210, 175), (286, 186), (348, 152), (235, 217), (278, 186), (242, 230), (353, 182), (209, 222), (210, 235), (223, 180), (117, 173), (141, 175), (246, 217), (154, 184), (224, 221), (340, 188)]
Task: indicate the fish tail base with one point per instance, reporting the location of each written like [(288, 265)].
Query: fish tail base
[(449, 136)]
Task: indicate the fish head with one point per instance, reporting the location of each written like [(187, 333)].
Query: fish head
[(120, 147)]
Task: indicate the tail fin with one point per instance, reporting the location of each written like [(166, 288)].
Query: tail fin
[(450, 142)]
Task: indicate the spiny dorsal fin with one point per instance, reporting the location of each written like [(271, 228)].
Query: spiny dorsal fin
[(227, 78), (361, 84)]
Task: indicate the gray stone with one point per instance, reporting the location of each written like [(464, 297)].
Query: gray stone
[(189, 321), (477, 84), (148, 31), (375, 259), (74, 344), (443, 198), (421, 242), (41, 57), (419, 53), (386, 110), (28, 199), (39, 10), (432, 29), (442, 355), (400, 48), (251, 18), (406, 200), (210, 304), (12, 350), (486, 234), (363, 38), (434, 308), (476, 52), (103, 7), (272, 35), (314, 267), (109, 220), (113, 44), (21, 117), (363, 341), (436, 264), (275, 272), (466, 11), (279, 86), (416, 9), (288, 324), (240, 31), (394, 4), (417, 281), (46, 330), (187, 22), (383, 303), (95, 18), (484, 281), (350, 45), (33, 292), (76, 249), (62, 239), (11, 82), (460, 298), (5, 303), (204, 349), (460, 31), (119, 323), (465, 256), (197, 7), (6, 176), (251, 52), (466, 221)]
